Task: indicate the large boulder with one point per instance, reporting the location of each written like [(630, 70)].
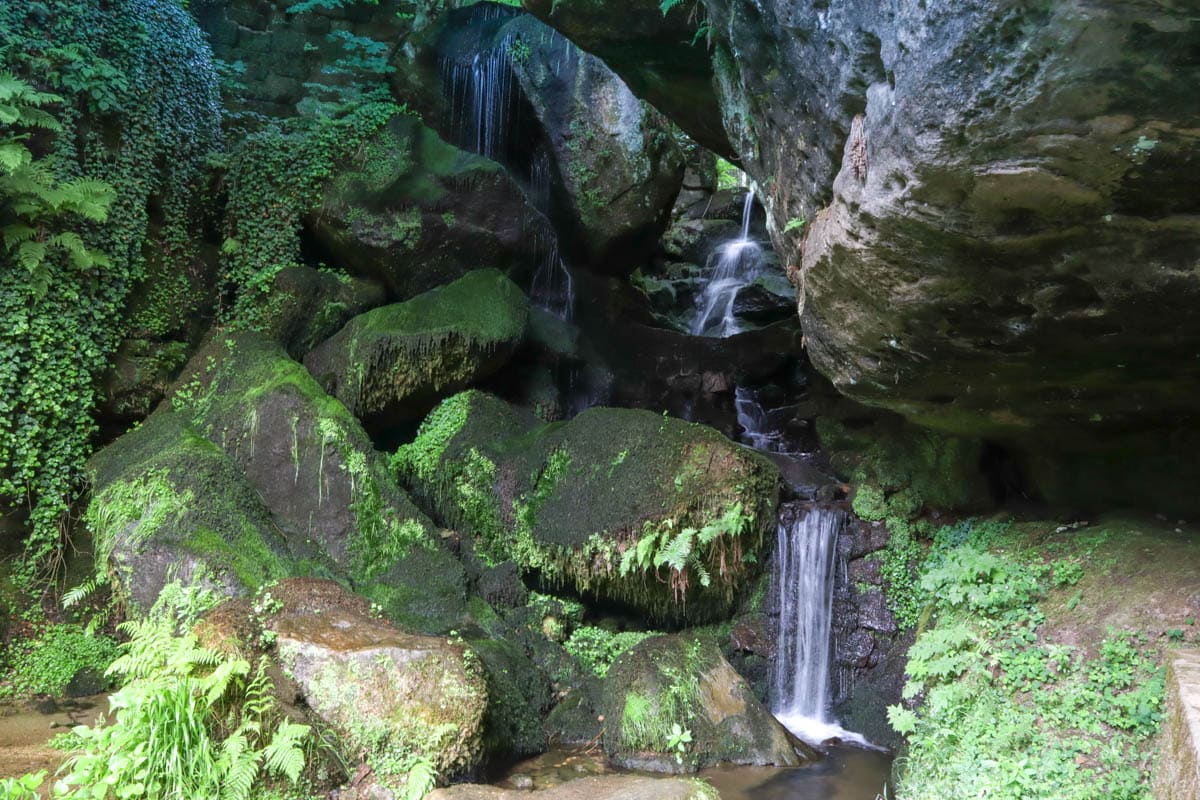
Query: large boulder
[(670, 684), (623, 505), (169, 505), (607, 162), (660, 56), (414, 212), (258, 474), (384, 692), (1000, 242), (397, 360)]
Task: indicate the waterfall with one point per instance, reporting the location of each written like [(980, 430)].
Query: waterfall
[(805, 559), (553, 288), (483, 100), (805, 551), (732, 266), (755, 422)]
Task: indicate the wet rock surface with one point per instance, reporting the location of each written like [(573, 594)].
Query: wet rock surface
[(869, 650), (726, 720)]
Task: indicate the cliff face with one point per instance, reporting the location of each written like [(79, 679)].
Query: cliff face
[(999, 238)]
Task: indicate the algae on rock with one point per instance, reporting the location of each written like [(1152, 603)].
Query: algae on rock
[(168, 504), (668, 684)]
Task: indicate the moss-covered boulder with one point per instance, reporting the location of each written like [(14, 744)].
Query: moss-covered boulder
[(626, 506), (390, 697), (397, 360), (414, 212), (256, 468), (167, 504), (306, 306), (670, 684)]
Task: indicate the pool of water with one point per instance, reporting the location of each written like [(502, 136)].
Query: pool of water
[(846, 773)]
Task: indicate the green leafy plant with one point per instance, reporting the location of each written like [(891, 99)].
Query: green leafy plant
[(24, 787), (45, 664), (596, 649), (189, 722), (995, 708), (678, 741), (795, 224)]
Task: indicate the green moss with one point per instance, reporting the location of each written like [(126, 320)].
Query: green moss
[(908, 468), (252, 562), (409, 352), (518, 695), (576, 495)]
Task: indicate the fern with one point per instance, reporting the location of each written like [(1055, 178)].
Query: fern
[(420, 780), (285, 753), (678, 551), (37, 204), (190, 723)]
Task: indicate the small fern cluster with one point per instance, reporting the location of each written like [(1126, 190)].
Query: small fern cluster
[(190, 722), (681, 551)]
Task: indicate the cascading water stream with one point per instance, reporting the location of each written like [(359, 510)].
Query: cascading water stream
[(805, 571), (732, 266), (755, 422)]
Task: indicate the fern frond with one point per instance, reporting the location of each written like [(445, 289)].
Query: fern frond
[(14, 155), (240, 766), (16, 233), (675, 554), (284, 755), (31, 254)]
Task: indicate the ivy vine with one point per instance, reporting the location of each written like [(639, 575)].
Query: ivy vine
[(139, 112)]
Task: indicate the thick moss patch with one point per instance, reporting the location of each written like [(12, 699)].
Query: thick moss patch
[(398, 359), (261, 475), (628, 506)]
